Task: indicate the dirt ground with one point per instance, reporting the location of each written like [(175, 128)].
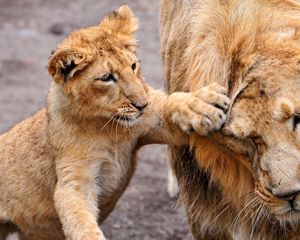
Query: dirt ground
[(29, 30)]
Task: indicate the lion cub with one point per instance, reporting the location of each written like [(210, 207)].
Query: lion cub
[(63, 170)]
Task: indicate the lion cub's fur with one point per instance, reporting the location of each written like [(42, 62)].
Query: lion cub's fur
[(63, 170)]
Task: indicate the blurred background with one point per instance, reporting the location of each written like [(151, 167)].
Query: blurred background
[(29, 30)]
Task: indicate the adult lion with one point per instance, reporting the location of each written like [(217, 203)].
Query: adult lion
[(246, 181)]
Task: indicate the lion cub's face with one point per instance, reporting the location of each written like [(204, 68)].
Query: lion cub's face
[(97, 70), (268, 112)]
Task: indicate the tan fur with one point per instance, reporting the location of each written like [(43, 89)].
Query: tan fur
[(63, 170), (226, 190)]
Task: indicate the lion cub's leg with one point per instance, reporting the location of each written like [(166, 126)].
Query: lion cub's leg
[(212, 108), (202, 111), (45, 232), (76, 195), (6, 229), (41, 235)]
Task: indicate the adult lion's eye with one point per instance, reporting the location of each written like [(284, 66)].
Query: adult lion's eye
[(107, 78), (296, 121), (133, 66)]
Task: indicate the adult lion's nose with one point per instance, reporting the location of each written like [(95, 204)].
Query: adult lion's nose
[(291, 195), (295, 202), (286, 187)]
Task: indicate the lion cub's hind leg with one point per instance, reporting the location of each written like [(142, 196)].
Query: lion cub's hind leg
[(6, 229), (51, 231), (42, 235)]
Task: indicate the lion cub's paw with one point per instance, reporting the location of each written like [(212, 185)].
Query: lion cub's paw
[(92, 235), (202, 111)]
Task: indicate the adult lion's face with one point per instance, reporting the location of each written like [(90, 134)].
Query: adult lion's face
[(268, 112)]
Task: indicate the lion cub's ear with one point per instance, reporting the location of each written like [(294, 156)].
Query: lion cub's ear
[(121, 21), (64, 63)]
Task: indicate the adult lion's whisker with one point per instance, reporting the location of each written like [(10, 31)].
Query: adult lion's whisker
[(219, 215)]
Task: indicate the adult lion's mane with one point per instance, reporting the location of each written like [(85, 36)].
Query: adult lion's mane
[(224, 41)]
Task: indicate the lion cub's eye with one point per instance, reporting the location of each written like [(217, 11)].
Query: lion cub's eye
[(133, 66), (296, 121), (107, 78)]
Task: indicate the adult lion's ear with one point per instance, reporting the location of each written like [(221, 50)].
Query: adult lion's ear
[(64, 63), (121, 21), (240, 121)]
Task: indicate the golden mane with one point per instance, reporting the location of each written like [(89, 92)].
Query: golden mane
[(229, 42)]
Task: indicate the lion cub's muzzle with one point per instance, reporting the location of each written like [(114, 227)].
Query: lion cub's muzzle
[(140, 105), (131, 113)]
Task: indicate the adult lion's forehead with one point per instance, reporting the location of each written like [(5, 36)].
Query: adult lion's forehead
[(277, 81), (288, 88)]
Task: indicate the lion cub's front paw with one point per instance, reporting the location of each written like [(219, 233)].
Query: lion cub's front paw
[(93, 237), (203, 110)]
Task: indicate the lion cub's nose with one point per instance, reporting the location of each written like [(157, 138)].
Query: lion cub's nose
[(140, 106)]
